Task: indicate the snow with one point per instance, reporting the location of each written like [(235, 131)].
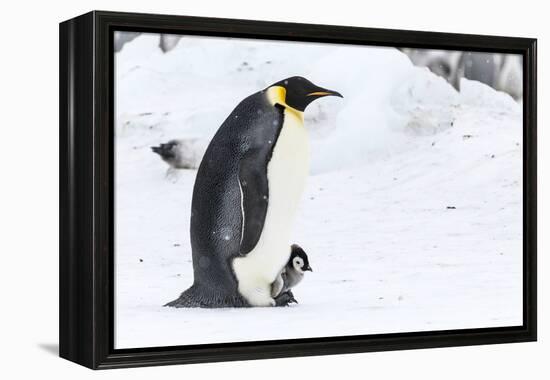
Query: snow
[(412, 215)]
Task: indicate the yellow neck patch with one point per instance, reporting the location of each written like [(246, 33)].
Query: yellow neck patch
[(277, 95)]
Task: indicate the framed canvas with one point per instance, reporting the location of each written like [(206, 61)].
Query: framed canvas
[(237, 189)]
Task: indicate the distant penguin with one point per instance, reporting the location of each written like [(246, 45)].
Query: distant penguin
[(245, 197), (292, 273), (181, 153)]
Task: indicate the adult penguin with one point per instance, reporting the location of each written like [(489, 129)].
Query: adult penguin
[(246, 192)]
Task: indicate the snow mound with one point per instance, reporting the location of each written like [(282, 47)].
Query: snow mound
[(188, 92), (473, 93)]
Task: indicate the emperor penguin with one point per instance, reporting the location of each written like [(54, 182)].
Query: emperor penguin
[(246, 193), (292, 274)]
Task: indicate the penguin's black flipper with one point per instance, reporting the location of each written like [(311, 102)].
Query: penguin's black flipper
[(255, 196)]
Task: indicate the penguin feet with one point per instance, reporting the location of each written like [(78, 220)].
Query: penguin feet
[(197, 296), (285, 299)]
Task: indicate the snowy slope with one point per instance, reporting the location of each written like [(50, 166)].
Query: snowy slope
[(411, 217)]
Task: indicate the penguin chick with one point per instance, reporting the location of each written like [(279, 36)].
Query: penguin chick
[(181, 153), (292, 273)]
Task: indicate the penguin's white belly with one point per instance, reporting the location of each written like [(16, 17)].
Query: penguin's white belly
[(286, 173)]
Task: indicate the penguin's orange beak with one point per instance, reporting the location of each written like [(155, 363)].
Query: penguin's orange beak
[(325, 93)]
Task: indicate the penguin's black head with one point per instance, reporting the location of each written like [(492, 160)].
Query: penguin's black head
[(166, 151), (299, 92), (299, 259)]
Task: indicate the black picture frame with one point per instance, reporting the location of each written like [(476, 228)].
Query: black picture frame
[(86, 189)]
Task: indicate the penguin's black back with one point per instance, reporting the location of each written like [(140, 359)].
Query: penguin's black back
[(236, 159)]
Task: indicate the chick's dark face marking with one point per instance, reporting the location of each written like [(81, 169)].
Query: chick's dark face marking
[(299, 259), (300, 92)]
